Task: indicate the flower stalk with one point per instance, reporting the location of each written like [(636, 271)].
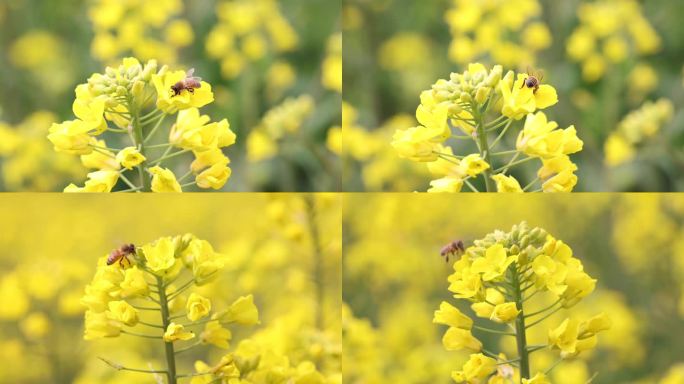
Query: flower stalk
[(484, 149), (520, 330), (168, 346)]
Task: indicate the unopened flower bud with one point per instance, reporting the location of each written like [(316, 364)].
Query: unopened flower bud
[(482, 94), (121, 91), (138, 90), (525, 241)]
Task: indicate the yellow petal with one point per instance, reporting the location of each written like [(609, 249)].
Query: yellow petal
[(545, 96)]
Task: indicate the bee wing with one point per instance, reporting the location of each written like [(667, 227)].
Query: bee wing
[(540, 74), (190, 72)]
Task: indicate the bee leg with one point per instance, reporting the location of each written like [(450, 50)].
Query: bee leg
[(523, 84), (191, 90)]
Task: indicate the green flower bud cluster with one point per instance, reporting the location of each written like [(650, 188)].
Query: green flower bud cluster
[(469, 87), (130, 79), (521, 241)]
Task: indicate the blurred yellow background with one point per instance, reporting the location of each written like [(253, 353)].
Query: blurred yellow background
[(49, 246)]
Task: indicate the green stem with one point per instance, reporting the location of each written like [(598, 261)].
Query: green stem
[(185, 176), (180, 290), (119, 367), (470, 185), (189, 184), (139, 141), (197, 374), (170, 354), (150, 324), (554, 366), (543, 310), (484, 149), (507, 362), (155, 128), (166, 157), (513, 163), (501, 135), (150, 115), (505, 153), (496, 121), (521, 338), (483, 329), (189, 347), (125, 180), (140, 335), (144, 308), (531, 184), (198, 322), (545, 317)]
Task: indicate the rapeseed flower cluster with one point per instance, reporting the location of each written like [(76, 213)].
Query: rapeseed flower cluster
[(29, 163), (156, 278), (285, 120), (497, 275), (366, 154), (132, 101), (462, 103), (638, 128), (147, 30), (610, 32), (247, 32), (509, 32)]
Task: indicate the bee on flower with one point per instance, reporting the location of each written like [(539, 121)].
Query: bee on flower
[(129, 105), (457, 138), (122, 294), (498, 275)]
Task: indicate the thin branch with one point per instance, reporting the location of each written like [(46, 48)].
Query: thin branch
[(140, 335), (544, 318), (180, 290), (470, 185), (151, 325), (189, 347), (120, 367), (543, 310), (483, 329), (144, 308)]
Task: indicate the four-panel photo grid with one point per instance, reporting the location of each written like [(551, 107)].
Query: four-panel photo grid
[(341, 191)]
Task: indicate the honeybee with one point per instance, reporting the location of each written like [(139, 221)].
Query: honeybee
[(454, 248), (189, 83), (533, 79), (120, 254)]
